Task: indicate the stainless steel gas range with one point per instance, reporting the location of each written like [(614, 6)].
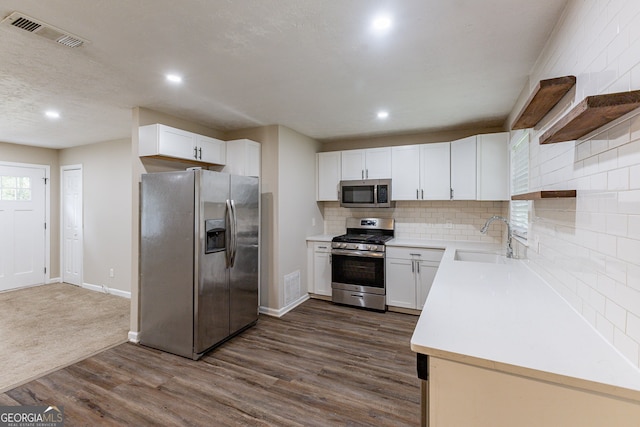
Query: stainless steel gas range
[(357, 263)]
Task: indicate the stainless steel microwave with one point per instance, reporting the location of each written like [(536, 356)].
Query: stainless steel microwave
[(369, 193)]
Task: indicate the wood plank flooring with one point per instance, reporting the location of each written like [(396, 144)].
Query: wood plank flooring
[(319, 365)]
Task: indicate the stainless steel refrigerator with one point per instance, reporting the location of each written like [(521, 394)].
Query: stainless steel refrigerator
[(199, 269)]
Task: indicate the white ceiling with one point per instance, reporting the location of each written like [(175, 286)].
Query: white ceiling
[(314, 66)]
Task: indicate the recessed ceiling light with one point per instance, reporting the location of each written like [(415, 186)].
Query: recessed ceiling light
[(174, 78), (383, 114), (381, 23), (52, 114)]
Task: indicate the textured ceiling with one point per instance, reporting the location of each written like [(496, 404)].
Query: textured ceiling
[(314, 66)]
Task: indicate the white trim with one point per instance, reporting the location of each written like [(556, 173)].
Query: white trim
[(134, 337), (62, 169), (284, 310), (47, 210), (54, 280), (106, 290)]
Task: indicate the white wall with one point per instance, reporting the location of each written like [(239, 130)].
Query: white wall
[(588, 248), (299, 214), (106, 169)]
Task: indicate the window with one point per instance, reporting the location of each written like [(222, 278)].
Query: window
[(15, 188), (519, 209)]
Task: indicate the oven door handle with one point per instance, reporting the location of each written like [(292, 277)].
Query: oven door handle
[(361, 254)]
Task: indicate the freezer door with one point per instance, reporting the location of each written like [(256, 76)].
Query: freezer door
[(243, 280), (211, 317), (166, 261)]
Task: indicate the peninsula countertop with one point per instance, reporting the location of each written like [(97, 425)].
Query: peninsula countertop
[(507, 318)]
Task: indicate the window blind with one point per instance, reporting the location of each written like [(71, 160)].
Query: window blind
[(519, 209)]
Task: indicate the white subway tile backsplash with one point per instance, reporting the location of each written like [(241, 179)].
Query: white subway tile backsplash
[(427, 219), (588, 250), (618, 179), (604, 326), (628, 347), (616, 315), (633, 327)]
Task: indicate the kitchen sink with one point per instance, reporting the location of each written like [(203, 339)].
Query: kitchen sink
[(486, 257)]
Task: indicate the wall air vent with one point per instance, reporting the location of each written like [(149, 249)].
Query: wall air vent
[(27, 23)]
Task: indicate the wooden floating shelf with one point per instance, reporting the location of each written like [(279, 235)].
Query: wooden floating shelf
[(545, 194), (590, 114), (544, 97)]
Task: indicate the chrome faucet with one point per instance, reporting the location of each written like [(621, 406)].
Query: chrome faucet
[(485, 228)]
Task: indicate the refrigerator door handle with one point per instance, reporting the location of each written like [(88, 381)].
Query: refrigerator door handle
[(234, 233), (229, 233)]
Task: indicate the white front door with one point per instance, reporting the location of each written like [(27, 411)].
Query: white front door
[(72, 225), (22, 226)]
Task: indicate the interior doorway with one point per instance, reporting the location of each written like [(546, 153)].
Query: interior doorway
[(23, 225), (72, 224)]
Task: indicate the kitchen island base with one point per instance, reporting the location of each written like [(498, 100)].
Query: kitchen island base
[(458, 394)]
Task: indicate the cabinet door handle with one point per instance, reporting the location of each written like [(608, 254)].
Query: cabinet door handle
[(362, 173), (195, 153), (367, 173), (413, 266), (422, 192), (322, 247), (416, 193), (451, 193), (200, 150), (418, 267), (415, 254)]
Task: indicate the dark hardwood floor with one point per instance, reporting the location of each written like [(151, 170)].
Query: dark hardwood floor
[(319, 365)]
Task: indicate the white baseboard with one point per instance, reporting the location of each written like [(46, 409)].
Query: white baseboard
[(284, 310), (134, 337), (54, 280), (107, 290)]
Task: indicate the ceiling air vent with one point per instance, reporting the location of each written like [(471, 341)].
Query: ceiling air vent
[(27, 23)]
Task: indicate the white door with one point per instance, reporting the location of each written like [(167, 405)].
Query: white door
[(328, 179), (352, 165), (378, 163), (405, 172), (463, 168), (72, 225), (22, 226), (435, 168)]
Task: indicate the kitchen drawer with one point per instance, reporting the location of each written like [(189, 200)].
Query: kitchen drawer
[(422, 254), (322, 246)]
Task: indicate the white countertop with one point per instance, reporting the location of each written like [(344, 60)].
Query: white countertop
[(320, 238), (505, 317)]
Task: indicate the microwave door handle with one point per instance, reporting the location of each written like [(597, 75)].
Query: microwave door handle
[(375, 194)]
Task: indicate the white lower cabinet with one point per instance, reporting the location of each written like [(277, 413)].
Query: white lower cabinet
[(319, 266), (409, 275)]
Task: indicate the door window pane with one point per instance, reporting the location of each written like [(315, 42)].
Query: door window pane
[(15, 188)]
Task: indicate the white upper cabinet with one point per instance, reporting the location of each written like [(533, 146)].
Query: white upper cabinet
[(435, 181), (421, 172), (405, 172), (463, 169), (167, 142), (493, 167), (372, 163), (243, 157), (211, 150), (328, 176), (161, 140)]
